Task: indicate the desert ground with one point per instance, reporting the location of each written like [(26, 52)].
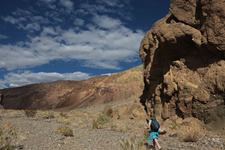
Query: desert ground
[(110, 126)]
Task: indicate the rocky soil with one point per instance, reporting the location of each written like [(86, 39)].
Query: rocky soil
[(40, 131)]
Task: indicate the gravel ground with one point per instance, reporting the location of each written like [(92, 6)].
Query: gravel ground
[(206, 143), (40, 134)]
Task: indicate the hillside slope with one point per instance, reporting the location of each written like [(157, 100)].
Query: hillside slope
[(125, 85)]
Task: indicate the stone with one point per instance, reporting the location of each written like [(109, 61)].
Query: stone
[(184, 64)]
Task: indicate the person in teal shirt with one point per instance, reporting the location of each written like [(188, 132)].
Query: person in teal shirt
[(153, 133)]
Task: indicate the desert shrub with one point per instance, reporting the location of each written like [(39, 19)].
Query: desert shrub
[(191, 135), (114, 127), (108, 111), (30, 113), (119, 126), (47, 115), (65, 121), (64, 118), (174, 125), (100, 121), (191, 130), (7, 136), (63, 114), (146, 134), (132, 144), (65, 131)]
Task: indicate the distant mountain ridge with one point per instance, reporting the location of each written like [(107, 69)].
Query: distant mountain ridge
[(72, 94)]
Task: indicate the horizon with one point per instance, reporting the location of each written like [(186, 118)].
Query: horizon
[(50, 40)]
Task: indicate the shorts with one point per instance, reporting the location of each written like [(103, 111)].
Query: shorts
[(152, 135)]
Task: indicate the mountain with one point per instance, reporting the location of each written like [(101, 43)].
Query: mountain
[(123, 86)]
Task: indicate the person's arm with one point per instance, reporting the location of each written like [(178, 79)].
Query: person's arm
[(162, 131), (149, 124)]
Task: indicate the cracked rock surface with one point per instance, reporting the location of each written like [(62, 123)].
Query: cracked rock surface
[(184, 63)]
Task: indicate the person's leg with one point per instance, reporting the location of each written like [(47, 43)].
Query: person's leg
[(149, 143), (153, 143), (157, 143)]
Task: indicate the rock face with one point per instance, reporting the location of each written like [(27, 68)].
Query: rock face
[(123, 86), (184, 63)]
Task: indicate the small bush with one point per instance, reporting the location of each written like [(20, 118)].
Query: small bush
[(64, 115), (191, 135), (30, 113), (100, 121), (174, 125), (65, 121), (7, 136), (191, 130), (108, 111), (48, 115), (131, 144), (65, 131)]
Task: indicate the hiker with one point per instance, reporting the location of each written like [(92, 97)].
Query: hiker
[(153, 126)]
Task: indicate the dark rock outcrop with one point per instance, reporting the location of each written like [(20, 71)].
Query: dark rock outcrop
[(184, 63)]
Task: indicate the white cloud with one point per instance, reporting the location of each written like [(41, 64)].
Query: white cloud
[(10, 19), (48, 1), (2, 84), (68, 4), (106, 22), (30, 27), (39, 19), (103, 47), (20, 79), (78, 22), (93, 9), (2, 37), (48, 31), (121, 8), (114, 3), (22, 22), (101, 42), (22, 12)]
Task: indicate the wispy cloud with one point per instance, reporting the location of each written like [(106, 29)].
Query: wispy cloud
[(97, 37), (114, 3), (78, 22), (27, 23), (68, 4), (20, 79), (10, 19), (106, 22), (50, 3), (103, 44), (3, 37), (119, 8)]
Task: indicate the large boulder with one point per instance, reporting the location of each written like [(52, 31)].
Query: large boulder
[(184, 63)]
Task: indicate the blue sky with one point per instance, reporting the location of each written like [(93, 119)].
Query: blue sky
[(48, 40)]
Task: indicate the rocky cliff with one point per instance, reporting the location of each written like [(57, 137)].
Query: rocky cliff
[(123, 86), (184, 63)]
